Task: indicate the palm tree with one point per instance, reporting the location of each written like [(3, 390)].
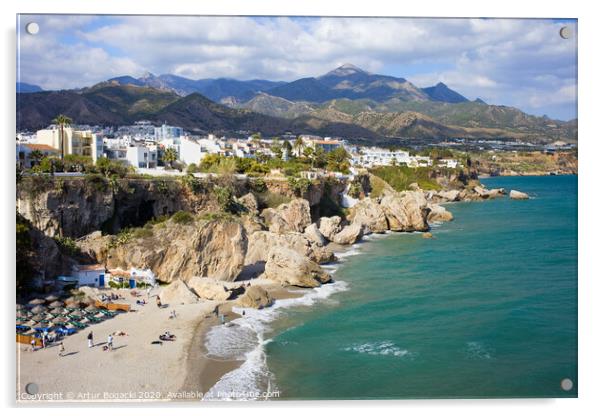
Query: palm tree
[(35, 156), (298, 145), (62, 121), (170, 156)]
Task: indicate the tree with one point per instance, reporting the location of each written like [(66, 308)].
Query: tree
[(35, 157), (308, 153), (298, 145), (170, 156), (287, 146), (62, 121), (320, 157), (338, 160)]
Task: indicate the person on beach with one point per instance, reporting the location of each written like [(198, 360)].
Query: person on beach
[(33, 344), (216, 310), (61, 349), (44, 340), (90, 340), (110, 342), (158, 302)]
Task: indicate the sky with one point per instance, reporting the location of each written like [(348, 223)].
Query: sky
[(523, 63)]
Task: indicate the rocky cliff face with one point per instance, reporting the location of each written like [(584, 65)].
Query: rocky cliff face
[(78, 206), (74, 207), (214, 249)]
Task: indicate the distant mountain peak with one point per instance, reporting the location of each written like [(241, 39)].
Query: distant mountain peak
[(441, 92), (148, 75), (346, 69)]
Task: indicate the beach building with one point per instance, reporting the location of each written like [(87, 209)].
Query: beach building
[(74, 142), (90, 275)]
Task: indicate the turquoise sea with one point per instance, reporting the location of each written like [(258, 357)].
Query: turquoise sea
[(488, 308)]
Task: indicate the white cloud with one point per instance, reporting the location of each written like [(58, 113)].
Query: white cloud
[(500, 60)]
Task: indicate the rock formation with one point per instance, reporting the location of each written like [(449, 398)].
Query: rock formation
[(329, 226), (255, 297), (406, 211), (262, 242), (214, 249), (293, 216), (177, 293), (211, 289), (439, 214), (370, 215), (288, 267), (518, 195), (312, 232), (350, 234)]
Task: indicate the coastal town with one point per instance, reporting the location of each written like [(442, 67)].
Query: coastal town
[(295, 228)]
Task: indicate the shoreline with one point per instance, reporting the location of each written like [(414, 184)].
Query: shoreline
[(204, 372)]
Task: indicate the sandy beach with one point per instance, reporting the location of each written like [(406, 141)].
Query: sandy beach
[(136, 369)]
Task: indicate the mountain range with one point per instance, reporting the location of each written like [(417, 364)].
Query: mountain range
[(346, 101)]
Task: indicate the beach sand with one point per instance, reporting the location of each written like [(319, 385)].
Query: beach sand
[(136, 369)]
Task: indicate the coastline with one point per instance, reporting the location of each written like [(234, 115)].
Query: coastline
[(206, 373)]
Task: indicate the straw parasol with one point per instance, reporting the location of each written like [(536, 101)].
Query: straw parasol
[(91, 308), (99, 315), (56, 304), (37, 302), (38, 309), (23, 314), (51, 298), (30, 323), (20, 306), (77, 313), (58, 311), (38, 317), (59, 320)]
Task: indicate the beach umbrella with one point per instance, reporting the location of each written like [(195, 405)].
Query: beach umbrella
[(59, 320), (38, 317), (30, 323), (20, 306), (77, 312), (56, 304), (22, 314), (37, 302), (38, 309), (29, 332), (99, 315), (84, 321), (72, 302), (58, 311), (51, 298)]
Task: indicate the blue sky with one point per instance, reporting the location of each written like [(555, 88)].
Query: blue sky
[(517, 62)]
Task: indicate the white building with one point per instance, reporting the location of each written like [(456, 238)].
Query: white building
[(448, 163), (142, 156), (90, 275), (369, 157), (194, 150)]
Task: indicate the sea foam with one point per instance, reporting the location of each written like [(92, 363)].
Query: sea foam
[(379, 348), (244, 339)]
